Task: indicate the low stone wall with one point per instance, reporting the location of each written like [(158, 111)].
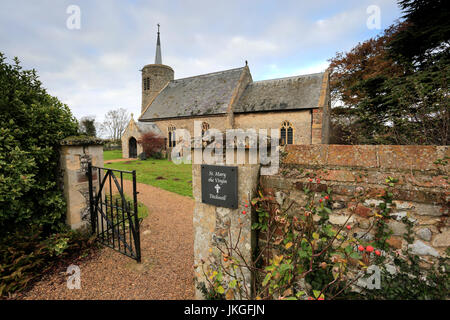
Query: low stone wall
[(356, 176)]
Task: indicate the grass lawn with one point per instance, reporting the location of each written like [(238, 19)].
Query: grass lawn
[(112, 154), (163, 174), (142, 209)]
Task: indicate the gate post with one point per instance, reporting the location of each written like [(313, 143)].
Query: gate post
[(76, 155), (91, 198), (214, 224)]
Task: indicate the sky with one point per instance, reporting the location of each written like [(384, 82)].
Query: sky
[(96, 67)]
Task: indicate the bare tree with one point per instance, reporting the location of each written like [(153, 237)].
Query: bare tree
[(100, 130), (115, 123)]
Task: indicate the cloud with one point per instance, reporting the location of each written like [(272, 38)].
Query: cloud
[(96, 68)]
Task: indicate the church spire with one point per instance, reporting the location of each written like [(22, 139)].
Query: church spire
[(158, 59)]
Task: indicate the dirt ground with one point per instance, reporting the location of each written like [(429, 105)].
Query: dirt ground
[(167, 257)]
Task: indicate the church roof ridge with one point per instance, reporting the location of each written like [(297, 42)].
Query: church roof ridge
[(267, 81), (208, 74), (282, 94)]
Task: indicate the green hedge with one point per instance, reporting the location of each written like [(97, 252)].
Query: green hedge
[(32, 124)]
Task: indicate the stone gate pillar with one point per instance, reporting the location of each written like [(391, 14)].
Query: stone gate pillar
[(213, 223), (75, 154)]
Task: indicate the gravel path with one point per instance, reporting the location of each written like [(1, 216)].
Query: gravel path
[(167, 257)]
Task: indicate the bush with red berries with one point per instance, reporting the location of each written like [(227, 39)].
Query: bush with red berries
[(305, 256)]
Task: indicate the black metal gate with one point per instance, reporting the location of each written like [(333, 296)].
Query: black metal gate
[(114, 218)]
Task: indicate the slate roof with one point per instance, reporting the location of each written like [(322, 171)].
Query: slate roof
[(299, 92), (205, 94), (145, 127)]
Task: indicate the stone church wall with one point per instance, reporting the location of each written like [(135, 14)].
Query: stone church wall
[(321, 116), (300, 120), (218, 122)]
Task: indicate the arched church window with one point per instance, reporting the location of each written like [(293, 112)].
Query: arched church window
[(172, 139), (286, 133)]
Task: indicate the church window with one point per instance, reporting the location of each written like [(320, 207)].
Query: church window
[(286, 133), (147, 83), (172, 139)]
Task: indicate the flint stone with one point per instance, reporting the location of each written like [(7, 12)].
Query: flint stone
[(428, 209), (338, 205), (279, 197), (391, 269), (421, 249), (398, 228), (363, 236), (402, 205), (340, 219), (372, 202), (442, 239), (364, 224), (399, 215), (424, 234)]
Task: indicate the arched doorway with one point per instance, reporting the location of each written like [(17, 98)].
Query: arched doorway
[(132, 148)]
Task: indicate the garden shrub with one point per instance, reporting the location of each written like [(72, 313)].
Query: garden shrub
[(152, 144), (31, 125), (33, 235), (303, 256), (26, 255)]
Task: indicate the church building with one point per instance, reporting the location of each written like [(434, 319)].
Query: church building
[(298, 106)]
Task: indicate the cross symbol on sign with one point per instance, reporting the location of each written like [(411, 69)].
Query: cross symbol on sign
[(217, 187)]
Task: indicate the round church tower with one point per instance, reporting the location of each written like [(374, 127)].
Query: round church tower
[(154, 77)]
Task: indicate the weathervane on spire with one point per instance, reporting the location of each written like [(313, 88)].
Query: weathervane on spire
[(158, 27)]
